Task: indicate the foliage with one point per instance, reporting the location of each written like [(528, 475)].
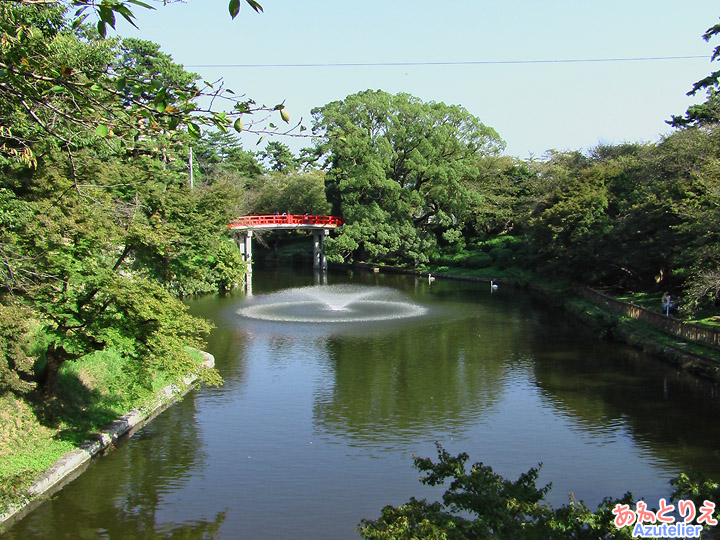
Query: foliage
[(291, 192), (280, 157), (179, 238), (16, 362), (219, 156), (397, 169), (98, 227), (706, 113), (481, 504), (60, 79)]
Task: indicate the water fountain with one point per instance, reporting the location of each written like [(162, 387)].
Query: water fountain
[(332, 304)]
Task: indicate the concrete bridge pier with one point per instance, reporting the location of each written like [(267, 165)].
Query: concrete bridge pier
[(245, 245), (319, 260)]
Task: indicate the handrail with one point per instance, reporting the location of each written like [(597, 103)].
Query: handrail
[(668, 324), (285, 219)]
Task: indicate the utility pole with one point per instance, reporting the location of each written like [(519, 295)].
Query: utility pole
[(191, 169)]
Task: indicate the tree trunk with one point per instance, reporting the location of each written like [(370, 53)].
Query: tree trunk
[(49, 376)]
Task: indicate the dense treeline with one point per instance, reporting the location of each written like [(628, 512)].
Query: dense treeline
[(422, 182), (101, 231)]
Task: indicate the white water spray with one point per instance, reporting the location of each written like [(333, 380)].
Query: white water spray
[(332, 304)]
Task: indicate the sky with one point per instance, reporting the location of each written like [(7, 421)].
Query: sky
[(512, 63)]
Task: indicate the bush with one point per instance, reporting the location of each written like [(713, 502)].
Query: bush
[(479, 260), (502, 257)]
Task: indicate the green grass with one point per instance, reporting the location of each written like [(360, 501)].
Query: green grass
[(668, 340), (648, 300), (93, 391), (653, 301)]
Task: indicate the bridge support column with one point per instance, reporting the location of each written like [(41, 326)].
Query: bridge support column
[(245, 245), (319, 260)]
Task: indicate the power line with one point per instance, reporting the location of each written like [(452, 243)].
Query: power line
[(454, 63)]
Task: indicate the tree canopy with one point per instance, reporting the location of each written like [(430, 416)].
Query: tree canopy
[(100, 232), (707, 112), (398, 170)]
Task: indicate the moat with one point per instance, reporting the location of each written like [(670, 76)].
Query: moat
[(330, 390)]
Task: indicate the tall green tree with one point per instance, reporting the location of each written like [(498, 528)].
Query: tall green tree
[(294, 193), (397, 169), (220, 155), (280, 157), (707, 112), (95, 234)]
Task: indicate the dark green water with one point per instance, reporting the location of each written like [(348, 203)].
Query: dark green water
[(316, 424)]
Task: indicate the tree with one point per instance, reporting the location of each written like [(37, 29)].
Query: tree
[(708, 112), (105, 11), (397, 169), (220, 155), (96, 228), (569, 229), (481, 504), (280, 157), (50, 89), (294, 193)]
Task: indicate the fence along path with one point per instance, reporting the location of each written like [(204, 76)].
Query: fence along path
[(670, 325)]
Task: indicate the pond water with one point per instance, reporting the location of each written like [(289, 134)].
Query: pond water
[(329, 392)]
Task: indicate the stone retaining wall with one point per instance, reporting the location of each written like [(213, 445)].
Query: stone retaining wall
[(72, 464)]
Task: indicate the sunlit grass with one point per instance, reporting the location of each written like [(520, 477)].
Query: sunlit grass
[(93, 391)]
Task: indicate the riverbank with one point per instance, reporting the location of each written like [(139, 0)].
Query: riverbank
[(21, 493), (695, 359)]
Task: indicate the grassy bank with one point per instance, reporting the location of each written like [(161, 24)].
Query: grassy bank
[(702, 361), (35, 431)]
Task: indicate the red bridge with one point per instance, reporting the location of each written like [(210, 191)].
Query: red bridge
[(320, 225), (285, 221)]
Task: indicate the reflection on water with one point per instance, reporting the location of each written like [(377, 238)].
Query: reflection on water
[(316, 424)]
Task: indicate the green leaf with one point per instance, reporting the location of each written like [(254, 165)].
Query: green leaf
[(141, 4), (102, 130), (102, 30), (193, 130), (79, 20), (255, 5), (120, 84), (174, 121), (260, 140), (107, 15), (238, 125), (127, 15), (234, 8), (160, 107)]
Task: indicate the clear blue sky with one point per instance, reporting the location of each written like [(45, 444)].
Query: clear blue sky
[(533, 106)]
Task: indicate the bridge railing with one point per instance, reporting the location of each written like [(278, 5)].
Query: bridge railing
[(285, 219)]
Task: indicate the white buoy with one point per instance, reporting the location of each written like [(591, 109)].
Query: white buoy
[(493, 286)]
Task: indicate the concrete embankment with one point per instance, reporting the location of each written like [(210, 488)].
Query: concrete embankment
[(72, 464)]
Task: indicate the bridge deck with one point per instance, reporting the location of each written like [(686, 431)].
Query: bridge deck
[(285, 221)]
